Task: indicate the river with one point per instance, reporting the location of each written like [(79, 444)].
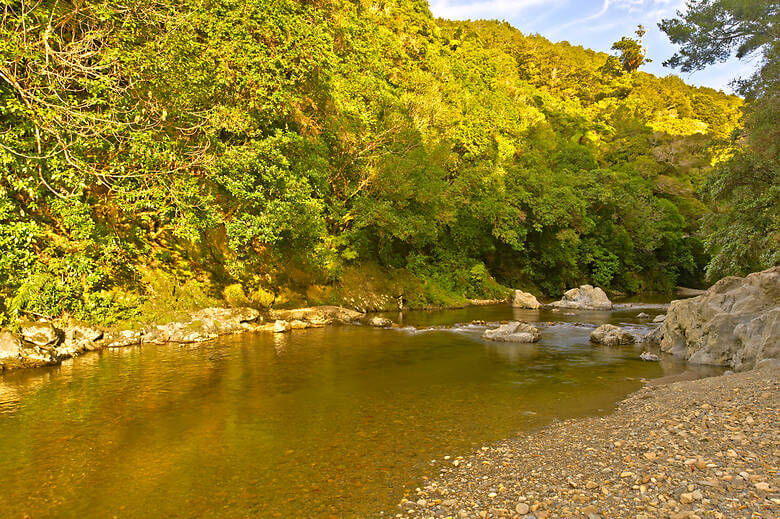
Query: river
[(328, 422)]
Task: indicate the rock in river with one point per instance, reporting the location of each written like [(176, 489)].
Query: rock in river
[(380, 322), (611, 335), (525, 300), (649, 356), (736, 323), (514, 331), (585, 297)]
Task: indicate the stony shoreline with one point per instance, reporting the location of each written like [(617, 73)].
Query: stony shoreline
[(707, 448), (44, 343)]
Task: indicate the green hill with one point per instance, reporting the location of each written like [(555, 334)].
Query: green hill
[(160, 155)]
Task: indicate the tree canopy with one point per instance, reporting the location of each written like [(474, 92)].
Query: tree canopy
[(742, 230), (288, 152)]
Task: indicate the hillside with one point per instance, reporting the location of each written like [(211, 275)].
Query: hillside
[(161, 155)]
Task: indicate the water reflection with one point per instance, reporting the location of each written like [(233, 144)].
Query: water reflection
[(315, 423)]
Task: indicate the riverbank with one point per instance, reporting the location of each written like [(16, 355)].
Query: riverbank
[(706, 448)]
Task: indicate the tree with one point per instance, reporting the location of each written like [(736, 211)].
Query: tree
[(742, 231), (632, 54)]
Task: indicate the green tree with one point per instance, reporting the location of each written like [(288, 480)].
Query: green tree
[(742, 232), (632, 53)]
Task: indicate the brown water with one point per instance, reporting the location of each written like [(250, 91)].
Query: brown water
[(331, 422)]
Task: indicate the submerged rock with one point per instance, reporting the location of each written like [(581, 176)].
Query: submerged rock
[(611, 335), (650, 357), (525, 300), (585, 297), (736, 323), (514, 331)]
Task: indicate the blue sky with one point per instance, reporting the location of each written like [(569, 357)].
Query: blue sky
[(595, 24)]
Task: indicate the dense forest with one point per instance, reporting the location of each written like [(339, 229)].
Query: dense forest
[(167, 154)]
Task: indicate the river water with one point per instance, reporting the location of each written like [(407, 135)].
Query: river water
[(330, 422)]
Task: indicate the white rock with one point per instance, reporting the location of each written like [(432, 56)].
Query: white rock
[(585, 297), (514, 331), (525, 300), (611, 335), (735, 323)]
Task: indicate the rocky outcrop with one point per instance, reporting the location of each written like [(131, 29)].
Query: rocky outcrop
[(736, 323), (40, 333), (282, 326), (18, 353), (318, 315), (611, 335), (202, 325), (42, 343), (514, 331), (585, 297), (688, 292), (525, 300), (79, 338)]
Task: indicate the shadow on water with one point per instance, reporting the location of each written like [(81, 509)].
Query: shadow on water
[(317, 423)]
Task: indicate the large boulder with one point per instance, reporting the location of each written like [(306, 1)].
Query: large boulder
[(736, 323), (585, 297), (16, 353), (318, 315), (10, 350), (281, 326), (40, 333), (514, 331), (611, 335), (525, 300), (79, 338)]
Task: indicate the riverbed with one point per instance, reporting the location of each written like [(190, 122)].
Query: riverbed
[(329, 422)]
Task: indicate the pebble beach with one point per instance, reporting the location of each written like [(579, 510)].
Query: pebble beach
[(695, 449)]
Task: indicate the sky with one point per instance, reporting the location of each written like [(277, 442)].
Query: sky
[(595, 24)]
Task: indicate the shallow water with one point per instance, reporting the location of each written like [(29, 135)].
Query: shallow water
[(330, 422)]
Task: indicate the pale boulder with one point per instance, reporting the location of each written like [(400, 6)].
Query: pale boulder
[(514, 331), (611, 335), (736, 323), (525, 300), (585, 297)]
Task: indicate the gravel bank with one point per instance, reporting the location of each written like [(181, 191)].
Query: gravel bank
[(693, 449)]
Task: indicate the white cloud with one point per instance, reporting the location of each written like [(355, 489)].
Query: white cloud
[(483, 9)]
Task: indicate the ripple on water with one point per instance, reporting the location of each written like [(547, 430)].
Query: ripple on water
[(316, 423)]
